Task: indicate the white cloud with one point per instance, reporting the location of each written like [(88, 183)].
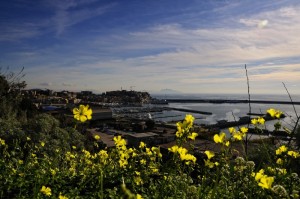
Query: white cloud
[(262, 24), (184, 58)]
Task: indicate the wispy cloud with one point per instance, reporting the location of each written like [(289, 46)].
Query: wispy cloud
[(63, 14), (194, 51), (16, 32), (68, 13)]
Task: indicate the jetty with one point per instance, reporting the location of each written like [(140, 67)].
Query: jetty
[(188, 110)]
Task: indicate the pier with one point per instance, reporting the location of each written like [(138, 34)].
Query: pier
[(189, 111)]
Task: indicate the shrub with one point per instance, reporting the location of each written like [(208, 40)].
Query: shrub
[(52, 163)]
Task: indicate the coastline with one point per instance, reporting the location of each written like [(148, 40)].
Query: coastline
[(222, 101)]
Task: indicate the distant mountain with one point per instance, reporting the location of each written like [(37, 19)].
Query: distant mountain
[(166, 93)]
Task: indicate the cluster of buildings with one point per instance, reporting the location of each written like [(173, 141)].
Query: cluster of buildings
[(120, 97), (104, 122)]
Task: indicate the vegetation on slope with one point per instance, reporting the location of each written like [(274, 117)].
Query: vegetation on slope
[(41, 159)]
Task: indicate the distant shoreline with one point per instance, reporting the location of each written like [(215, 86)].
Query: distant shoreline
[(223, 101)]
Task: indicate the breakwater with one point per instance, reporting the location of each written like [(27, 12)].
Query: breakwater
[(222, 101), (188, 110)]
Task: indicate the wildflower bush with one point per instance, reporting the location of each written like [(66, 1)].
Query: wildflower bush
[(46, 161)]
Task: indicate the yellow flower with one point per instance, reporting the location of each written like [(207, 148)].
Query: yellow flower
[(138, 196), (258, 121), (155, 150), (83, 113), (238, 136), (20, 161), (137, 173), (180, 131), (183, 153), (189, 119), (73, 147), (87, 154), (281, 150), (279, 161), (244, 130), (261, 120), (263, 180), (209, 154), (294, 154), (282, 171), (28, 138), (142, 145), (266, 182), (219, 138), (173, 149), (42, 144), (227, 143), (46, 191), (97, 137), (119, 142), (182, 150), (193, 136), (123, 163), (271, 112), (189, 157), (143, 162), (2, 142), (138, 180), (148, 151), (62, 197), (103, 154), (153, 169), (254, 121), (270, 169), (209, 164), (258, 175), (52, 171), (274, 113), (232, 130)]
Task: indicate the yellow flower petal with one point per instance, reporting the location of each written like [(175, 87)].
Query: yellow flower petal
[(82, 118), (209, 154)]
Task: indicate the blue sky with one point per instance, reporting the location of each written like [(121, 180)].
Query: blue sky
[(191, 46)]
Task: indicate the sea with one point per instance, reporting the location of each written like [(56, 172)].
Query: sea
[(227, 111)]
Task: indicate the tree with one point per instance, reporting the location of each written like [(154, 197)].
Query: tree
[(11, 84), (4, 86), (10, 92)]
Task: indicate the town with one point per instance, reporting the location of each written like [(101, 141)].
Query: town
[(124, 113), (118, 112)]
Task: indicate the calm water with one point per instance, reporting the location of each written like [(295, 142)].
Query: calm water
[(226, 111)]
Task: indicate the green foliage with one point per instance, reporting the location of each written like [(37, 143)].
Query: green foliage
[(297, 136), (45, 128), (13, 103), (44, 160), (40, 159), (4, 86)]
